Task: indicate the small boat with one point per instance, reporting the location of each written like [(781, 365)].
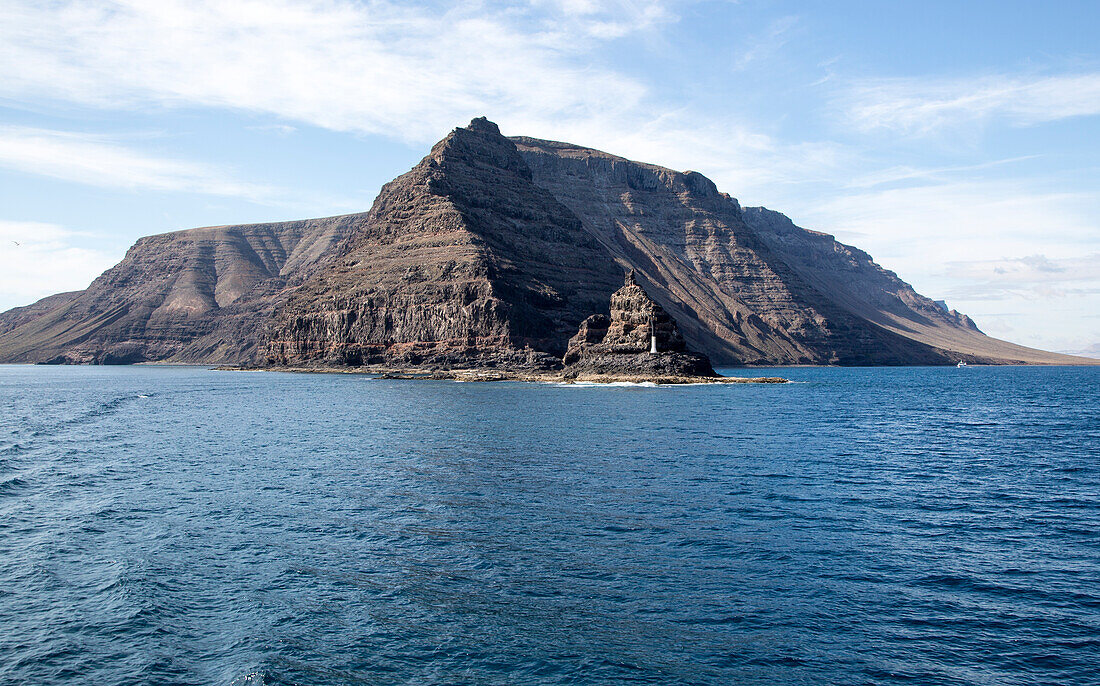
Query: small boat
[(961, 365)]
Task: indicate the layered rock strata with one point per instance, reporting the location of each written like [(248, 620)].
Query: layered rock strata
[(747, 285), (462, 261), (638, 339), (490, 253), (202, 295)]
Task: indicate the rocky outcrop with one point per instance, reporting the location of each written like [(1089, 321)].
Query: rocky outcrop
[(638, 339), (493, 252)]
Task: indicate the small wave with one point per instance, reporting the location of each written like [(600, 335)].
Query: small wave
[(258, 678), (607, 384), (90, 415), (12, 485)]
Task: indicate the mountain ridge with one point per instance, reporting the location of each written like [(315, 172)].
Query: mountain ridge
[(491, 251)]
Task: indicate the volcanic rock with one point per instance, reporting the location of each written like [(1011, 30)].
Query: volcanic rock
[(202, 295), (638, 339), (462, 261), (491, 252)]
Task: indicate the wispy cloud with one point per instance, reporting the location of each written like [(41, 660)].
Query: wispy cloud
[(378, 67), (926, 175), (98, 161), (605, 19), (382, 67), (768, 43), (922, 106), (919, 230), (1031, 276), (104, 162), (38, 259)]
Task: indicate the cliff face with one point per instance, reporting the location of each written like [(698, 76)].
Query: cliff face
[(747, 286), (202, 295), (865, 290), (493, 251), (462, 260)]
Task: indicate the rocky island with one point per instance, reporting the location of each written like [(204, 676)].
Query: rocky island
[(638, 341), (498, 256)]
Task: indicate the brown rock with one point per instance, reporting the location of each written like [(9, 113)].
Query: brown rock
[(638, 339), (202, 295), (491, 253), (462, 261)]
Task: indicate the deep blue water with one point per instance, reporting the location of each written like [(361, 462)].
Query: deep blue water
[(865, 526)]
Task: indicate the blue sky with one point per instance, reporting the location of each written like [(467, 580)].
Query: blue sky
[(958, 143)]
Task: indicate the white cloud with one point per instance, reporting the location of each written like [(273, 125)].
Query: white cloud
[(605, 19), (1021, 261), (906, 173), (95, 160), (1032, 276), (921, 228), (39, 259), (385, 68), (374, 67), (921, 106), (277, 129), (100, 161)]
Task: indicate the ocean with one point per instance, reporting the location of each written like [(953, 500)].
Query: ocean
[(179, 525)]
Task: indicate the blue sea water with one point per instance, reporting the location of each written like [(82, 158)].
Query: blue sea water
[(167, 525)]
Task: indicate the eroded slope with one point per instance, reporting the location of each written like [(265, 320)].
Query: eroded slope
[(201, 295)]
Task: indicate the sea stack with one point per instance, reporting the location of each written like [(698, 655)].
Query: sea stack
[(638, 340)]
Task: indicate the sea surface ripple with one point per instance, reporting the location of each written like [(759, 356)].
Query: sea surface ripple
[(864, 526)]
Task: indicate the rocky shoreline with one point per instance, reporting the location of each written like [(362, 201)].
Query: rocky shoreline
[(488, 375), (637, 343)]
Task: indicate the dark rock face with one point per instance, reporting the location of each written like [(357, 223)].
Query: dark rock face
[(736, 298), (492, 252), (639, 338), (462, 261)]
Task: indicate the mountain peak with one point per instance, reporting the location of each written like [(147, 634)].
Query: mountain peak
[(483, 125), (479, 145)]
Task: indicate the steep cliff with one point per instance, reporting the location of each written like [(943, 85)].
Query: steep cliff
[(861, 287), (462, 260), (493, 251), (201, 295), (748, 286)]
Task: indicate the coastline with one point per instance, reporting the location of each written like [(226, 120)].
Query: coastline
[(489, 375)]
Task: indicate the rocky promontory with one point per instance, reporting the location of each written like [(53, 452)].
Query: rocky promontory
[(638, 340)]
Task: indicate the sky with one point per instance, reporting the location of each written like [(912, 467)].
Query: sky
[(957, 143)]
